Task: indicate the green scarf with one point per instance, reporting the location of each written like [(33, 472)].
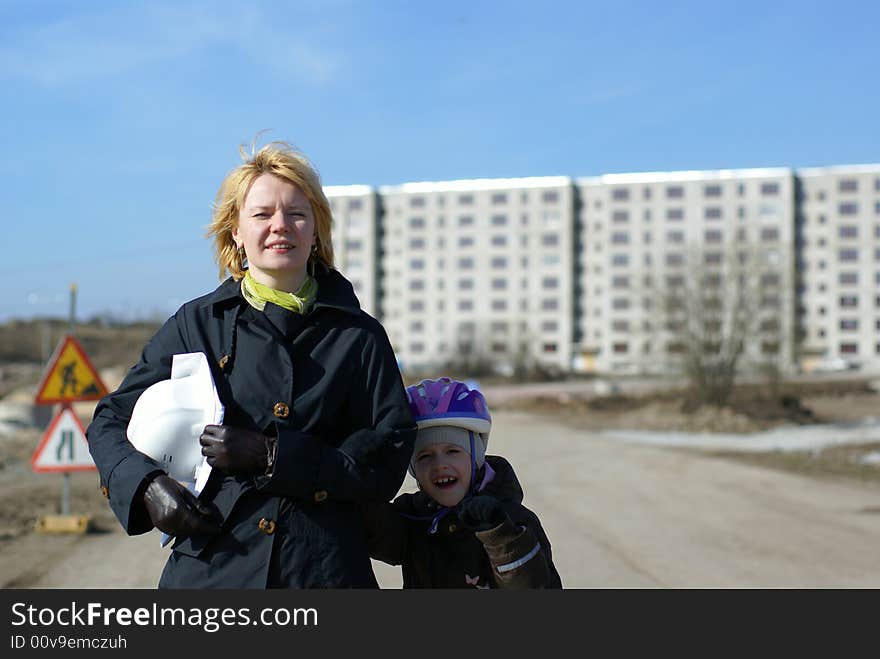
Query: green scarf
[(258, 294)]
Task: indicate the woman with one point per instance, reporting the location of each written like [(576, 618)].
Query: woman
[(310, 387)]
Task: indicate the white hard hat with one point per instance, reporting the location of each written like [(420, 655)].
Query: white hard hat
[(169, 417)]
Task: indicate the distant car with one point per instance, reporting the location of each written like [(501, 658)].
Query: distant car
[(834, 365)]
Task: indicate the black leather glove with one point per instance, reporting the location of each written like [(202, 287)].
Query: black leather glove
[(236, 450), (176, 511), (482, 512)]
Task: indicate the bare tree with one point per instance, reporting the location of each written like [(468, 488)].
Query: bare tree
[(719, 313)]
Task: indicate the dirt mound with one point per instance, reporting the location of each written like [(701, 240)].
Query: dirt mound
[(751, 408)]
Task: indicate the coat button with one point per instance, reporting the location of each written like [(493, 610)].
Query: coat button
[(452, 528), (267, 526), (105, 491), (281, 410), (223, 361), (320, 495)]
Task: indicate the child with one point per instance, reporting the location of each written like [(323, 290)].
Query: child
[(466, 527)]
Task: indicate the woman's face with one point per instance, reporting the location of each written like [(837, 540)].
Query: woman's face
[(443, 472), (276, 227)]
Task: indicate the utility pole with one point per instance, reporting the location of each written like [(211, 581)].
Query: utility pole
[(65, 500)]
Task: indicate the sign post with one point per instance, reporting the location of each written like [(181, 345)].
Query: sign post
[(69, 377)]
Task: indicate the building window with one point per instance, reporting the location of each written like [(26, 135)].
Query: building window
[(465, 305), (847, 185), (355, 204), (848, 208), (620, 216), (416, 305), (417, 264), (499, 198), (416, 223), (849, 278), (465, 221), (674, 192), (499, 284), (713, 236), (712, 258), (417, 285), (712, 191), (620, 348), (465, 284), (674, 214), (712, 212), (769, 234), (675, 237), (465, 199), (549, 326), (548, 197), (770, 279), (466, 263), (499, 305), (849, 324), (465, 241), (620, 326), (848, 231), (417, 243), (550, 282), (849, 348), (499, 220), (620, 194), (549, 240), (646, 193), (620, 281), (769, 189), (499, 241), (620, 303), (498, 326), (618, 260), (499, 262), (620, 238), (849, 301), (417, 326), (848, 255), (550, 304), (549, 347), (674, 258), (417, 202)]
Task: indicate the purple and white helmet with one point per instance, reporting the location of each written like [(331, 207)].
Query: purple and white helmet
[(448, 402)]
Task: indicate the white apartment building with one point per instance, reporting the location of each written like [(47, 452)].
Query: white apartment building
[(355, 240), (839, 222), (645, 236), (581, 273), (478, 272)]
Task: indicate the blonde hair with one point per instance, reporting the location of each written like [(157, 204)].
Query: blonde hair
[(284, 161)]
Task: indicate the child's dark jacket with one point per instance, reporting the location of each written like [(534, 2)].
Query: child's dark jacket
[(507, 556)]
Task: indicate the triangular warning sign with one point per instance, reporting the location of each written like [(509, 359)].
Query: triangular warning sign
[(70, 376), (64, 446)]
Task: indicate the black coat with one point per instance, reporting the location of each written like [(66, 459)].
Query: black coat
[(328, 384), (516, 555)]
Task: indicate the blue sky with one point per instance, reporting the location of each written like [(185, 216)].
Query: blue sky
[(121, 118)]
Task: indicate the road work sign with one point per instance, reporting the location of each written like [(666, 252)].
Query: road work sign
[(70, 376), (64, 446)]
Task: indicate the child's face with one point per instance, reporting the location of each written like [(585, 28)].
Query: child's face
[(443, 472)]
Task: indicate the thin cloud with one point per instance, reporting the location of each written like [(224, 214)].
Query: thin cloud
[(100, 45)]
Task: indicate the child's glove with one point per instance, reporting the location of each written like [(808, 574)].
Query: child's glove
[(482, 512)]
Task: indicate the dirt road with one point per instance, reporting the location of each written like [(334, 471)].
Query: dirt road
[(618, 515)]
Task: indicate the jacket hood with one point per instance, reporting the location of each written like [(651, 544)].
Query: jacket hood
[(504, 486)]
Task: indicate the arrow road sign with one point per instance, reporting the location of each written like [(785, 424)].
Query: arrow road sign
[(64, 446)]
